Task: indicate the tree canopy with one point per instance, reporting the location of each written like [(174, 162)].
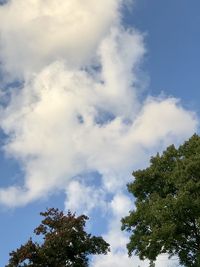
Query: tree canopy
[(166, 216), (65, 243)]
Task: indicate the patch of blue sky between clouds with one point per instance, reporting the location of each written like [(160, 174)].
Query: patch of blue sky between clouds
[(103, 117), (3, 2), (11, 169)]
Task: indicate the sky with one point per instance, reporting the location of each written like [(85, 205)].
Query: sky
[(88, 93)]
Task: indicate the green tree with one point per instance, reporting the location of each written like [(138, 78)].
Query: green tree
[(166, 216), (65, 243)]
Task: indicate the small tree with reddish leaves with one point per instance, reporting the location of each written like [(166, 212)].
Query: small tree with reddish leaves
[(65, 243)]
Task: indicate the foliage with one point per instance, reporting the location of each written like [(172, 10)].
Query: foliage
[(166, 217), (65, 243)]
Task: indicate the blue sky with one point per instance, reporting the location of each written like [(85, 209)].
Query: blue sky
[(173, 39), (146, 58)]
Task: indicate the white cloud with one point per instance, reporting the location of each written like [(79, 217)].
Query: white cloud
[(120, 259), (121, 55), (120, 204), (54, 131), (55, 126), (36, 33), (84, 198), (159, 114)]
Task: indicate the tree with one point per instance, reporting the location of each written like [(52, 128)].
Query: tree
[(65, 243), (166, 217)]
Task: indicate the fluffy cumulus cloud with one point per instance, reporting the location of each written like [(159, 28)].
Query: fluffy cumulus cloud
[(59, 127), (34, 33), (78, 109)]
